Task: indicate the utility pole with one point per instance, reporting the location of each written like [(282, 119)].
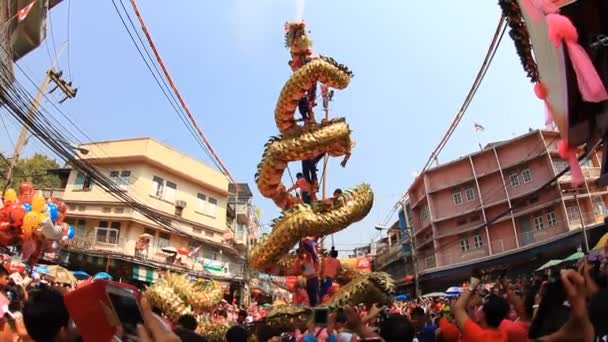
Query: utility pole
[(583, 228), (410, 235), (66, 87)]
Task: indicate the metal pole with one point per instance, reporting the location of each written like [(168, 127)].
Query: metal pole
[(22, 139), (583, 228), (413, 253)]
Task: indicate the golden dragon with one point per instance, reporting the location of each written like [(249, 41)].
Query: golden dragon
[(333, 137)]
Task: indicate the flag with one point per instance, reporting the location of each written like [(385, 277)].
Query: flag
[(478, 127), (22, 13), (195, 251)]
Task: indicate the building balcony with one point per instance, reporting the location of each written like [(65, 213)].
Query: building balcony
[(460, 257), (392, 254), (423, 242), (426, 262), (105, 242), (51, 192), (457, 230)]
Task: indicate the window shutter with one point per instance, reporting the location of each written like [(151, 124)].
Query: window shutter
[(79, 181)]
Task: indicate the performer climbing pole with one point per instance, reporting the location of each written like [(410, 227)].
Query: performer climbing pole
[(309, 142)]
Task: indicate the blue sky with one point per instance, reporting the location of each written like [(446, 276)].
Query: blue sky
[(413, 63)]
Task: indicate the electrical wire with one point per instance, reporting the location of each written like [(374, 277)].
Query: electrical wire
[(193, 121), (159, 79), (15, 102), (496, 40), (50, 16), (68, 39)]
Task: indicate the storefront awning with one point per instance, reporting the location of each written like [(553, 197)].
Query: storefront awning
[(143, 273)]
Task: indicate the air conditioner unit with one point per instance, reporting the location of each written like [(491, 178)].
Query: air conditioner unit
[(180, 204)]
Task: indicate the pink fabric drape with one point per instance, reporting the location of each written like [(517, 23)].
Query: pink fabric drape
[(541, 93), (569, 153), (560, 28)]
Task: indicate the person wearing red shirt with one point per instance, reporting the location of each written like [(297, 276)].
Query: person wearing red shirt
[(329, 272), (494, 311), (304, 186)]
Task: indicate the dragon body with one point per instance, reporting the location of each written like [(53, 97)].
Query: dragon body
[(305, 142)]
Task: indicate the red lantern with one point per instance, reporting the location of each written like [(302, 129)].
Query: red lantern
[(183, 251), (408, 277)]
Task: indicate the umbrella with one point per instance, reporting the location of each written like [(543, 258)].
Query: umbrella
[(454, 289), (61, 275), (81, 275), (402, 297), (41, 269), (145, 236), (549, 264), (102, 275), (601, 244), (452, 295), (169, 250), (434, 295), (183, 251), (574, 257)]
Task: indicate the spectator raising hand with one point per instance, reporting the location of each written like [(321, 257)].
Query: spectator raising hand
[(153, 329), (578, 327)]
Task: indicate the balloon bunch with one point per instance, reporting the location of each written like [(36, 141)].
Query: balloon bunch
[(32, 222)]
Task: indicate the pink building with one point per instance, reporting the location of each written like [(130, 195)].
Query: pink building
[(457, 206)]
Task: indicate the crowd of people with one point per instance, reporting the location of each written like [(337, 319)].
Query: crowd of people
[(570, 304)]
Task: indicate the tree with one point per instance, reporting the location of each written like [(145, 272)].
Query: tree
[(34, 170)]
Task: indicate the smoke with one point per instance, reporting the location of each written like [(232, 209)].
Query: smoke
[(300, 9)]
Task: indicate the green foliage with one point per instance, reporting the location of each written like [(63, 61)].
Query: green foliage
[(34, 170)]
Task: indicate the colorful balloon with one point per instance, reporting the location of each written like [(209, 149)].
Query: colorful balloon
[(27, 207), (10, 196), (38, 204), (52, 211), (31, 221)]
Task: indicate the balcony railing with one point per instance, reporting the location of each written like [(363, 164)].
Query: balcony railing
[(107, 240), (394, 253)]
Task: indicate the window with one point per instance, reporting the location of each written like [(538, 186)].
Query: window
[(208, 233), (83, 182), (457, 197), (170, 191), (424, 214), (469, 194), (107, 234), (212, 206), (81, 208), (573, 214), (197, 230), (121, 179), (477, 241), (560, 165), (201, 200), (106, 210), (474, 218), (514, 180), (526, 175), (461, 222), (80, 228), (240, 232), (178, 211), (464, 245), (538, 223), (598, 206), (163, 240), (157, 187), (114, 232), (119, 210), (551, 218)]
